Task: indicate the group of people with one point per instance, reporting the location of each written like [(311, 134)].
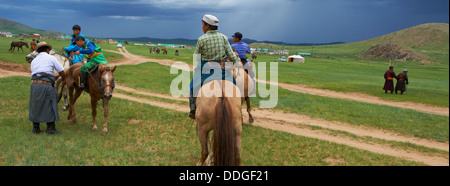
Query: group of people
[(156, 50), (43, 104), (402, 81)]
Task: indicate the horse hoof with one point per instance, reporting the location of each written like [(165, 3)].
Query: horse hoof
[(251, 120)]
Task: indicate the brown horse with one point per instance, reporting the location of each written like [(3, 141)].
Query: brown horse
[(219, 109), (101, 85), (246, 87), (19, 45)]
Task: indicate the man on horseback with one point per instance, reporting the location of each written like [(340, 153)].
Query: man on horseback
[(242, 49), (214, 48), (93, 53), (73, 46)]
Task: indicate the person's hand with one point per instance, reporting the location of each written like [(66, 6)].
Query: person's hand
[(235, 53), (77, 52)]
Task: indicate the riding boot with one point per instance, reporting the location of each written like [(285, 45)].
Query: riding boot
[(36, 128), (193, 106), (51, 129), (83, 77)]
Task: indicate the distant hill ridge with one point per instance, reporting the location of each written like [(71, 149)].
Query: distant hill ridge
[(18, 28)]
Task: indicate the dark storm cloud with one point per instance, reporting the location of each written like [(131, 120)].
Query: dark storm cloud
[(282, 20)]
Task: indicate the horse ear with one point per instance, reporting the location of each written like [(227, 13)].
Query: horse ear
[(114, 69)]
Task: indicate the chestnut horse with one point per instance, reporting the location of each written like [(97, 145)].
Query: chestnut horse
[(19, 45), (101, 86), (219, 108)]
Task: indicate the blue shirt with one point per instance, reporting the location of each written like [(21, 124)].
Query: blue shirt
[(73, 47), (241, 48)]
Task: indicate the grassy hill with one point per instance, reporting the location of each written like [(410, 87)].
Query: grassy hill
[(428, 41), (18, 28)]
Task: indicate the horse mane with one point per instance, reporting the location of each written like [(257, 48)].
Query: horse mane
[(104, 68)]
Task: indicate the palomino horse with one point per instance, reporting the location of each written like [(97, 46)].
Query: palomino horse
[(246, 86), (219, 109), (62, 90), (101, 85), (19, 45)]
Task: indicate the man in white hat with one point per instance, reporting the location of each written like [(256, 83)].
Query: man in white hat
[(43, 106), (402, 81), (213, 47)]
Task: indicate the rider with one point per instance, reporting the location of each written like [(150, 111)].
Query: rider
[(76, 29), (242, 49), (213, 47), (93, 53)]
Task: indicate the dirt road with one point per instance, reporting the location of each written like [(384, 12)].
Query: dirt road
[(130, 59)]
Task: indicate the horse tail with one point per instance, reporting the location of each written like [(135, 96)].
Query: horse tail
[(224, 146)]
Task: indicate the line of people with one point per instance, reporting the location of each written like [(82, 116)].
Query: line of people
[(402, 81)]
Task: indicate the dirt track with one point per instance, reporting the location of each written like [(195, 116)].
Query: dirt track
[(292, 123), (130, 59)]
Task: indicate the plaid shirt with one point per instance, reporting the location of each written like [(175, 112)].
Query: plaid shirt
[(214, 46)]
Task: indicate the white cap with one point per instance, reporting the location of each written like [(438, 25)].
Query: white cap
[(405, 70), (211, 20)]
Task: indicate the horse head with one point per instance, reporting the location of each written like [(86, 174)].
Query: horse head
[(26, 44), (107, 80), (31, 56)]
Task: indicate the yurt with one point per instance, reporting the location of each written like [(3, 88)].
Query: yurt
[(296, 59)]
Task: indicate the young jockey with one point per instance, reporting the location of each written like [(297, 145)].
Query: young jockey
[(214, 48), (93, 53), (76, 29)]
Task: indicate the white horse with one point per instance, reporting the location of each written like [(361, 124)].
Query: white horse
[(64, 61)]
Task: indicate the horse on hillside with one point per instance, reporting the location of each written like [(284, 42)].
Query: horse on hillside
[(101, 86), (219, 109), (19, 45), (64, 61)]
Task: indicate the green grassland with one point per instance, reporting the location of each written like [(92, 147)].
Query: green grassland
[(405, 121), (146, 135), (429, 82)]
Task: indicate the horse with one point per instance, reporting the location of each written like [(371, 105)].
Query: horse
[(19, 45), (64, 61), (101, 86), (246, 86), (219, 109)]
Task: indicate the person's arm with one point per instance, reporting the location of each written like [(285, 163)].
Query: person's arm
[(231, 55), (89, 50)]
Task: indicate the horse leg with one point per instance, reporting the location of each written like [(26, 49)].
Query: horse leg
[(72, 105), (66, 101), (249, 109), (203, 137), (105, 112), (94, 113), (69, 116)]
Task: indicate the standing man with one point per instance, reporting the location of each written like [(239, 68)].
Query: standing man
[(33, 46), (402, 81), (389, 77), (242, 49), (93, 53), (76, 29), (43, 106), (214, 49)]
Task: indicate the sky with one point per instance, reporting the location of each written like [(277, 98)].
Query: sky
[(290, 21)]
